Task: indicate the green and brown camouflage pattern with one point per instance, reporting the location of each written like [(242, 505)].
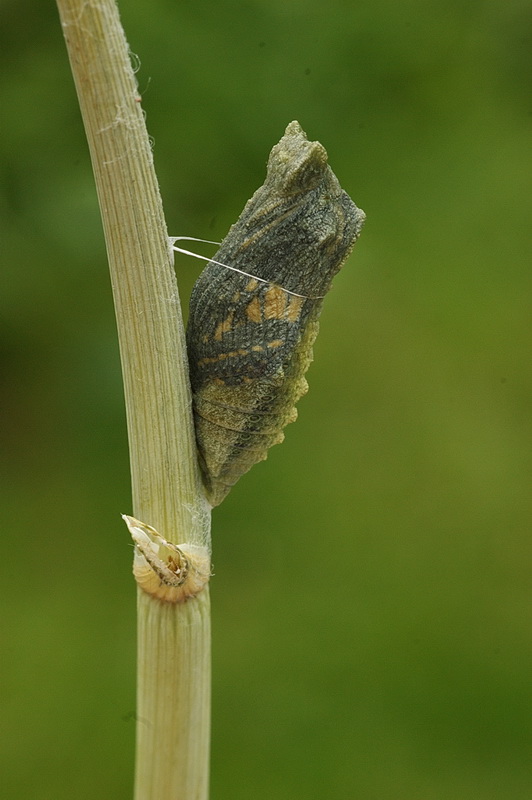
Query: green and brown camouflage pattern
[(250, 335)]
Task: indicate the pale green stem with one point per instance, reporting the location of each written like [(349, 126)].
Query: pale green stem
[(173, 639)]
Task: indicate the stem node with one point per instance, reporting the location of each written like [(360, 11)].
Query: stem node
[(171, 573)]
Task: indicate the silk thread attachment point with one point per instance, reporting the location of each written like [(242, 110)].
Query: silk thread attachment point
[(174, 239)]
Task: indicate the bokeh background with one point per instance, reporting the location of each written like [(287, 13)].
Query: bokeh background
[(372, 597)]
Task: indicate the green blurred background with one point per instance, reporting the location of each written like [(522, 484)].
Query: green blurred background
[(372, 597)]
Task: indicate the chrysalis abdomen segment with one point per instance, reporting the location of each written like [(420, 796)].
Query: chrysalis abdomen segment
[(247, 377), (250, 338)]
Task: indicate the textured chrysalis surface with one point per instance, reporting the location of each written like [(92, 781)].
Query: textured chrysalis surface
[(250, 336)]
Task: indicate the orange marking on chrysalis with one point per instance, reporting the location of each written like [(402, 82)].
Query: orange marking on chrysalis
[(274, 303), (223, 327), (253, 310), (294, 308)]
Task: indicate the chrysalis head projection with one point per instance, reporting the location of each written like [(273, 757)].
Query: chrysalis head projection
[(253, 322)]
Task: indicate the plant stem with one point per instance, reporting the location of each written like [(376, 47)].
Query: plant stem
[(173, 639)]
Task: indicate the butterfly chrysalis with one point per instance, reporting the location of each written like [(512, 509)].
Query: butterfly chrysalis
[(252, 323)]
